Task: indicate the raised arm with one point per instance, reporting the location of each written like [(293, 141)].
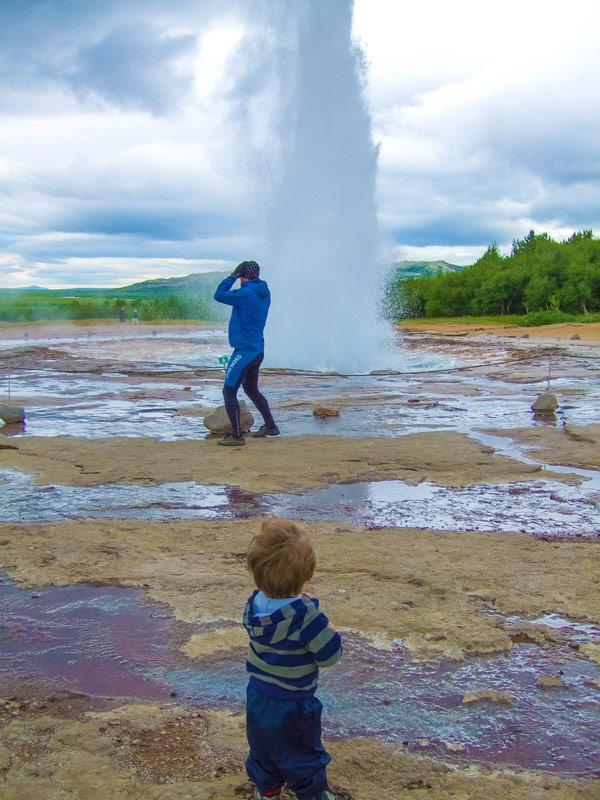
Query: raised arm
[(232, 297)]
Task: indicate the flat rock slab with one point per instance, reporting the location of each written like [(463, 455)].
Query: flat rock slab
[(149, 751), (573, 446), (284, 463)]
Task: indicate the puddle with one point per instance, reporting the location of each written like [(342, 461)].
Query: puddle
[(543, 507), (105, 641), (109, 642), (578, 631)]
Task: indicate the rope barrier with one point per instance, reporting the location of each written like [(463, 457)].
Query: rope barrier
[(314, 373)]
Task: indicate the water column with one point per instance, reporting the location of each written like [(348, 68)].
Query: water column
[(321, 226)]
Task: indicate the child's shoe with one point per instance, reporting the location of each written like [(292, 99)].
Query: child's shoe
[(326, 795), (258, 796)]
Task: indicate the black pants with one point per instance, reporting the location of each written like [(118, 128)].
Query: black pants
[(249, 381)]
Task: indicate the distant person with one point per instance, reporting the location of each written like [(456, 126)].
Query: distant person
[(248, 317), (135, 317), (121, 316), (290, 639)]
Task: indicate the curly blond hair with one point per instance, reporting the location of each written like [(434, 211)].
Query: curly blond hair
[(281, 558)]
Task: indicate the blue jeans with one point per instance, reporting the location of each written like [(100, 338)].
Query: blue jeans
[(285, 744)]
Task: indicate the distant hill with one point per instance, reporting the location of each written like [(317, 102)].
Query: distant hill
[(27, 289), (197, 284), (418, 269)]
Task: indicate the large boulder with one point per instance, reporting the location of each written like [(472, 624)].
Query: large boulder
[(217, 420), (12, 415)]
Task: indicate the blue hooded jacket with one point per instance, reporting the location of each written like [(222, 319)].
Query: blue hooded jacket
[(249, 313)]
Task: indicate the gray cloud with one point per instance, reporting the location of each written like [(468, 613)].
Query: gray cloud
[(107, 149), (151, 220), (130, 54), (135, 67)]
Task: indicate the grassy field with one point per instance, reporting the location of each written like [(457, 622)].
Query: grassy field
[(153, 304)]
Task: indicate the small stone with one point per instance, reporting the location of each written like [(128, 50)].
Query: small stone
[(524, 336), (454, 747), (550, 682), (575, 337), (488, 695), (384, 372), (12, 415), (323, 411), (435, 637), (545, 404), (423, 742), (387, 702)]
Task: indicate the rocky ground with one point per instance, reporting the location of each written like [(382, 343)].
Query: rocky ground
[(446, 594)]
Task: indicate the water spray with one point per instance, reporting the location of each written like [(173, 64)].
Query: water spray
[(321, 222)]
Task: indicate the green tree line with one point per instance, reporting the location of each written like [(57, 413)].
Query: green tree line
[(543, 279)]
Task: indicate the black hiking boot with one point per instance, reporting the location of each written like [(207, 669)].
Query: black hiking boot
[(232, 441), (265, 431)]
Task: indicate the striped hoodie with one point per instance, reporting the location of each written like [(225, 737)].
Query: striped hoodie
[(287, 648)]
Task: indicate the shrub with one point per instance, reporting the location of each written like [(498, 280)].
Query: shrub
[(550, 317)]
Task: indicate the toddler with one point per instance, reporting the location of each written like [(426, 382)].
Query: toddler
[(290, 638)]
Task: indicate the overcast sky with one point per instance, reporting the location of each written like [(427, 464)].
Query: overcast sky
[(123, 155)]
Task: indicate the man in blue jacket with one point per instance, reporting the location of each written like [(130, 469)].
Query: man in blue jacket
[(250, 306)]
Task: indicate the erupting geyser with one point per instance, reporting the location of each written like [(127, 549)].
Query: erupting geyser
[(321, 237)]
